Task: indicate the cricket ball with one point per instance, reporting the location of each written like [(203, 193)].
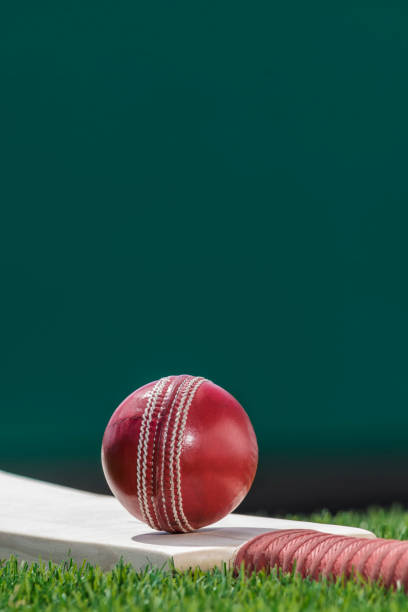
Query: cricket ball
[(179, 453)]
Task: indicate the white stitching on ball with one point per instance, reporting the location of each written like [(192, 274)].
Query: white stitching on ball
[(178, 453), (174, 402), (172, 449), (146, 448), (153, 469), (142, 447)]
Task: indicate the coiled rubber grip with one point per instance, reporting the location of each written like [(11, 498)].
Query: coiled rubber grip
[(315, 554)]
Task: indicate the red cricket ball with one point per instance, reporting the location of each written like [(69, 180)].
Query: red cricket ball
[(179, 453)]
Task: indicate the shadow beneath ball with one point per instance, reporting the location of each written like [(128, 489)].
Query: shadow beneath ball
[(208, 536)]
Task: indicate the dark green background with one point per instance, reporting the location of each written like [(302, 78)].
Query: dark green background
[(217, 189)]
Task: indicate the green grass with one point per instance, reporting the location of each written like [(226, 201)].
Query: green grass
[(43, 586)]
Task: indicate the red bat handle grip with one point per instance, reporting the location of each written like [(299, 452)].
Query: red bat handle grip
[(317, 554)]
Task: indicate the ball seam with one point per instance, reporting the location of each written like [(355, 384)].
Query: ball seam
[(181, 432)]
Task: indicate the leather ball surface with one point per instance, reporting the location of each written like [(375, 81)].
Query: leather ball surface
[(179, 453)]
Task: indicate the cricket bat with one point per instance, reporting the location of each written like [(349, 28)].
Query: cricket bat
[(53, 522)]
